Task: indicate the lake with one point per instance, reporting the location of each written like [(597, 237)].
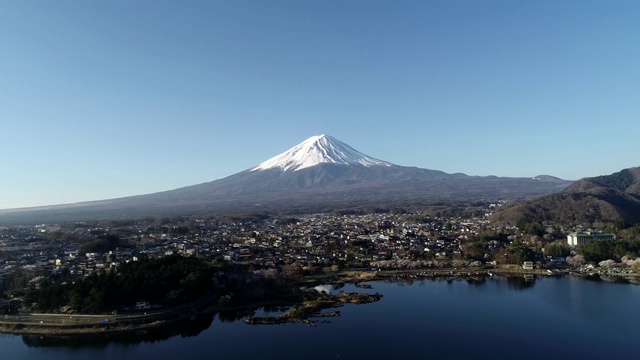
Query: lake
[(497, 317)]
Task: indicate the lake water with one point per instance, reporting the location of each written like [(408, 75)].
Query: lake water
[(499, 318)]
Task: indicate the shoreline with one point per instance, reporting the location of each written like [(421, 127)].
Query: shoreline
[(34, 324)]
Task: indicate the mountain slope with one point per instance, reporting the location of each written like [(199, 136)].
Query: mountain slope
[(320, 173), (625, 181), (607, 198)]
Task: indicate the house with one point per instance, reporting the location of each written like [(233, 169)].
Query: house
[(527, 265)]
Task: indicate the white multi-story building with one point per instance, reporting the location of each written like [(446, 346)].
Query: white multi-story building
[(574, 239)]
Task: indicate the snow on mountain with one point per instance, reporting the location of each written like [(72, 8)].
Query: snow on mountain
[(321, 149)]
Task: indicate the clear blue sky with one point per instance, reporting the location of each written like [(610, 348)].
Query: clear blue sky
[(103, 99)]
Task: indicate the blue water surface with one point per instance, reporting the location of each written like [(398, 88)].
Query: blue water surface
[(490, 318)]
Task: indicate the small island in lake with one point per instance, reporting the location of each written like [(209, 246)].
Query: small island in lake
[(311, 309)]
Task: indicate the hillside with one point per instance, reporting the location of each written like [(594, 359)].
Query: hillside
[(607, 198), (625, 181)]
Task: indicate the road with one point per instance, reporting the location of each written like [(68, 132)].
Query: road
[(74, 320)]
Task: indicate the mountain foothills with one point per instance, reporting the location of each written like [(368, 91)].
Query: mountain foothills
[(611, 198), (320, 174)]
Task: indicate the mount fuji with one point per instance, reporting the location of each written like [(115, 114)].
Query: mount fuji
[(320, 174), (316, 150)]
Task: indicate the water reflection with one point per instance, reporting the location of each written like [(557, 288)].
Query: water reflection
[(523, 282), (476, 280), (229, 316), (183, 328)]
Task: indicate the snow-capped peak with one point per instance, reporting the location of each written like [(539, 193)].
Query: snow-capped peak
[(316, 150)]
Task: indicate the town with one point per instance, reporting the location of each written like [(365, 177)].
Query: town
[(303, 244)]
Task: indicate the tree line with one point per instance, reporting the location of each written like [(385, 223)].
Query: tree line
[(166, 281)]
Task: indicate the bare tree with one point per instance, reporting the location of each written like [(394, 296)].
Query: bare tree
[(576, 260), (607, 263)]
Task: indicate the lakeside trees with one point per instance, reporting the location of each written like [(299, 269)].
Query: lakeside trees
[(169, 280), (557, 249), (597, 251)]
